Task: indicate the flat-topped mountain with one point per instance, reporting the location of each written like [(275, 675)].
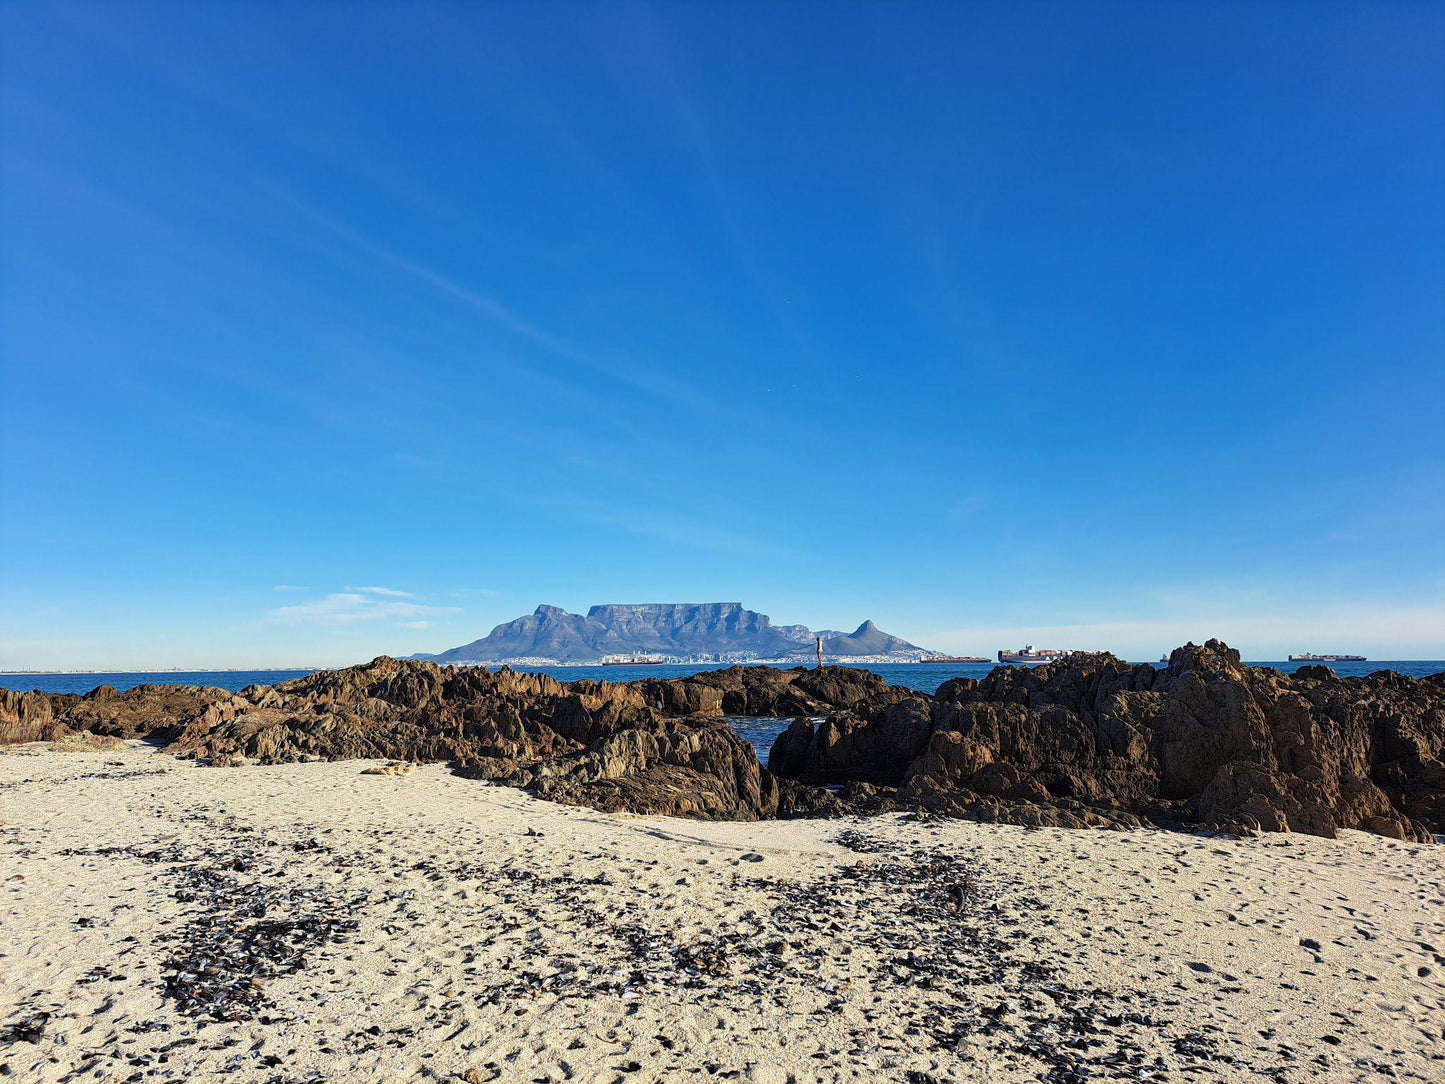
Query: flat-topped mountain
[(702, 631)]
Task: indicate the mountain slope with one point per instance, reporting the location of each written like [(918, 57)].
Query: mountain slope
[(868, 639), (549, 632)]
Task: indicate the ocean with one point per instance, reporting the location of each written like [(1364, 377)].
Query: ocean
[(923, 676)]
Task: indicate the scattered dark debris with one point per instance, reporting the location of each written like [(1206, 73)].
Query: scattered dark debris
[(924, 923), (247, 923), (951, 941), (27, 1029)]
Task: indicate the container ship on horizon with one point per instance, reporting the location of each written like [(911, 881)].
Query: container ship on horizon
[(1030, 655)]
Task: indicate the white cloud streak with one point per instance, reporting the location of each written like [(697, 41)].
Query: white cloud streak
[(341, 608)]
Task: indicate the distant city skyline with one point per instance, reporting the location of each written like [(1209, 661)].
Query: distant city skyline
[(327, 333)]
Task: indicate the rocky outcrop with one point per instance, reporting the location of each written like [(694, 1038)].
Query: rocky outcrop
[(649, 746), (409, 711), (779, 694), (145, 711), (874, 747), (1087, 741), (676, 769), (1206, 740), (32, 716)]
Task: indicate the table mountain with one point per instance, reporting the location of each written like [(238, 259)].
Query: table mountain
[(723, 630)]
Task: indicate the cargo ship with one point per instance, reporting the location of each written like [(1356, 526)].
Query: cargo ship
[(1307, 657), (1030, 655), (639, 661), (954, 658)]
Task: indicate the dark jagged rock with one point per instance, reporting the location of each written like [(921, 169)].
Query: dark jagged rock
[(410, 711), (1207, 740), (150, 711), (1086, 741), (648, 746), (678, 770), (768, 691), (872, 748)]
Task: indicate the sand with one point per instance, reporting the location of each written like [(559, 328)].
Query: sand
[(451, 930)]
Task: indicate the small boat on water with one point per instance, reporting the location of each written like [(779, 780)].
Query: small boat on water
[(1030, 655)]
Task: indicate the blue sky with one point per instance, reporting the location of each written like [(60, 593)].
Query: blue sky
[(327, 331)]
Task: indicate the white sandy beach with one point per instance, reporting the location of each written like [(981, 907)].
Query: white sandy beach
[(499, 937)]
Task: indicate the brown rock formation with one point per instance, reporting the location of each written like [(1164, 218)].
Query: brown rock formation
[(680, 769), (769, 692), (32, 716), (645, 746), (145, 711), (1207, 740), (1089, 740)]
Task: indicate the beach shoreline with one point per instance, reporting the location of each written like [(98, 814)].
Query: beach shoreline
[(428, 926)]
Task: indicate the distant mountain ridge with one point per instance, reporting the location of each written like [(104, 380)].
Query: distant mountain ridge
[(702, 631)]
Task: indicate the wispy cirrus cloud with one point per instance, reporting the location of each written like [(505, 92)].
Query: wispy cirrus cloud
[(356, 604), (655, 383)]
